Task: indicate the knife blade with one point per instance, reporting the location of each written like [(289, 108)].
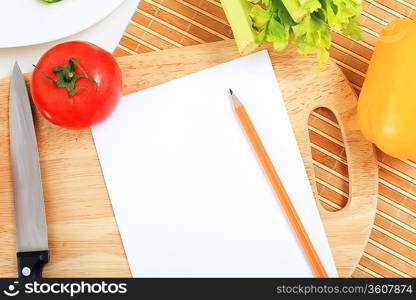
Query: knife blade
[(31, 228)]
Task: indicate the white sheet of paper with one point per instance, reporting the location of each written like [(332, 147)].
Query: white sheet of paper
[(188, 193)]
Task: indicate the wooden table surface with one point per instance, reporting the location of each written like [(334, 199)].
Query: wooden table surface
[(391, 251)]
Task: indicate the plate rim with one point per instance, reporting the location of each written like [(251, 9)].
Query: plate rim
[(19, 44)]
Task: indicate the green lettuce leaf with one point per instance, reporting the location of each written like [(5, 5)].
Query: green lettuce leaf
[(341, 16), (298, 9), (277, 33), (312, 34), (260, 17), (307, 22)]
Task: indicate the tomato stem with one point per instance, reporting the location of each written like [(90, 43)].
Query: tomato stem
[(67, 77)]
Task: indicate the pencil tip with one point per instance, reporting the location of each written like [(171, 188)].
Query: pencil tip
[(231, 91)]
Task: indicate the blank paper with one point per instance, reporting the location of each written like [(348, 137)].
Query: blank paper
[(188, 193)]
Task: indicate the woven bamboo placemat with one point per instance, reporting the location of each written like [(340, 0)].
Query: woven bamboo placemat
[(391, 251)]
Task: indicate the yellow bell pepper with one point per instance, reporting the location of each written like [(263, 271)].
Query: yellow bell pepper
[(387, 103)]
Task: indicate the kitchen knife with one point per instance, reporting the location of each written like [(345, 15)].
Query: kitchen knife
[(31, 230)]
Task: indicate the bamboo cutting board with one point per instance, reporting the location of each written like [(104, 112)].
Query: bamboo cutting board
[(83, 235)]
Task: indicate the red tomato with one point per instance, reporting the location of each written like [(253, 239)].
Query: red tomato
[(87, 100)]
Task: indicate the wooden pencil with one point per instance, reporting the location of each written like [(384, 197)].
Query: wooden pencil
[(278, 187)]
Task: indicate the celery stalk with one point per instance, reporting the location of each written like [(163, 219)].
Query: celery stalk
[(295, 9), (237, 12), (298, 9)]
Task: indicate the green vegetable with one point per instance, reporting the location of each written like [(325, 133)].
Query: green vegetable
[(238, 15), (51, 1), (306, 22)]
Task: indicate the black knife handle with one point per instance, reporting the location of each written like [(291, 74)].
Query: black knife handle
[(30, 264)]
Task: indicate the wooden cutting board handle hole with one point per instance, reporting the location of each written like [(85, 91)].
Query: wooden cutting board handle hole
[(324, 130)]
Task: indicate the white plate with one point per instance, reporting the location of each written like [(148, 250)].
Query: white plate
[(30, 22)]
